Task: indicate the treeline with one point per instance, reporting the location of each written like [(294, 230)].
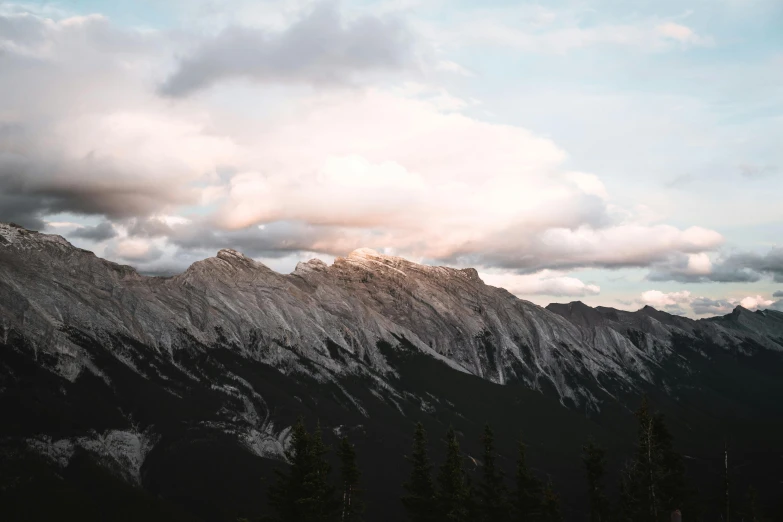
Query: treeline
[(652, 485), (453, 497), (304, 491)]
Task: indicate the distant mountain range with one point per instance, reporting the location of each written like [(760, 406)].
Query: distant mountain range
[(181, 391)]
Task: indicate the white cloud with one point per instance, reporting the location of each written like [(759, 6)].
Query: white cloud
[(754, 302), (561, 34), (656, 298), (676, 31), (588, 183), (399, 167), (698, 264), (134, 250), (453, 67), (546, 282)]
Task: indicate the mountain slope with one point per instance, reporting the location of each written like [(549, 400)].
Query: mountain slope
[(187, 386)]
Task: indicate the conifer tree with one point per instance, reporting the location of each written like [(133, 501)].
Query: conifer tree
[(452, 494), (550, 505), (419, 500), (472, 501), (492, 491), (594, 459), (752, 511), (527, 501), (674, 491), (654, 485), (303, 493), (352, 505), (284, 494), (318, 504)]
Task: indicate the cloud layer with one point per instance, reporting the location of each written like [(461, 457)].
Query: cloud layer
[(678, 302), (732, 268), (320, 48), (331, 130)]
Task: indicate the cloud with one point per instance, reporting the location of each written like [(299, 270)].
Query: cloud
[(751, 171), (274, 170), (561, 33), (98, 233), (705, 305), (680, 33), (754, 302), (672, 302), (134, 250), (457, 190), (779, 293), (320, 48), (274, 240), (677, 301), (453, 67), (737, 267), (99, 143), (543, 283)]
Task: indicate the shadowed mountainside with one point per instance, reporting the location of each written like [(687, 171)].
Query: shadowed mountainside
[(185, 388)]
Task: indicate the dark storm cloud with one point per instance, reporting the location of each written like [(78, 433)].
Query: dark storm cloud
[(100, 232), (318, 49), (31, 188), (779, 293), (24, 211)]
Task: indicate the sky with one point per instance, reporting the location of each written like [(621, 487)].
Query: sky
[(618, 153)]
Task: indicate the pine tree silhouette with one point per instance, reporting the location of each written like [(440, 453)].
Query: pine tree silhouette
[(594, 459), (303, 493), (352, 505), (419, 500), (528, 489), (452, 495), (550, 505), (653, 485), (492, 492)]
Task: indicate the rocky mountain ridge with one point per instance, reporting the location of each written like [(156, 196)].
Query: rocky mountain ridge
[(133, 367), (49, 287)]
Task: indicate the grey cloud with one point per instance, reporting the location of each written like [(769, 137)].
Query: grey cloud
[(46, 76), (705, 305), (318, 49), (100, 232), (743, 267), (20, 209), (149, 227), (770, 264), (147, 256), (22, 28), (777, 305), (35, 186), (757, 171), (274, 240), (779, 293), (675, 309)]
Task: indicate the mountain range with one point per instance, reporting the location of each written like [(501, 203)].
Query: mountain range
[(176, 395)]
